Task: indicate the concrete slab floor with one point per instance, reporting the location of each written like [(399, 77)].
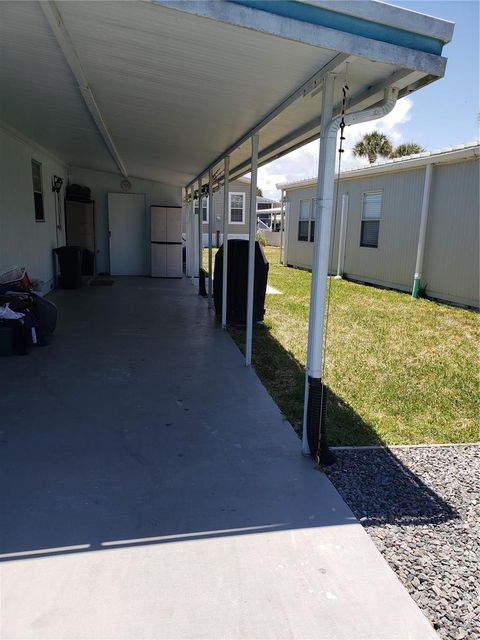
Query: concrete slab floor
[(152, 489)]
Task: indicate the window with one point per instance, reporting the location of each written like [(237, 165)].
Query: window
[(205, 209), (237, 208), (371, 212), (306, 221), (264, 205), (38, 191)]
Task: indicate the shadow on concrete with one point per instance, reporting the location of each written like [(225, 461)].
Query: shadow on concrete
[(376, 485), (127, 431), (140, 425)]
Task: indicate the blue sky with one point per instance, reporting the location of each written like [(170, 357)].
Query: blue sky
[(446, 112), (443, 114)]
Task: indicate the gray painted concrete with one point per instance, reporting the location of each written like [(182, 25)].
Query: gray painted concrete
[(152, 490)]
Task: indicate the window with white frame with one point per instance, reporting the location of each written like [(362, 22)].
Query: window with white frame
[(205, 209), (371, 213), (236, 208), (306, 221), (38, 191)]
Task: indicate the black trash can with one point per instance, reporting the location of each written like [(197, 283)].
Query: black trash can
[(238, 281), (88, 262), (70, 261)]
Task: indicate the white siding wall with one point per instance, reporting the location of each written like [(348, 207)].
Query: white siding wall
[(451, 268), (23, 241), (451, 265), (101, 183), (393, 261), (299, 254)]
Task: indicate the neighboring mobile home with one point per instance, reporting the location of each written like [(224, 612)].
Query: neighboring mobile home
[(381, 207), (238, 212), (238, 209)]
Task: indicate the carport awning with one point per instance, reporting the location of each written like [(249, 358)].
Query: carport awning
[(174, 86)]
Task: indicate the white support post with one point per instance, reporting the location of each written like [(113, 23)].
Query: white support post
[(188, 223), (423, 230), (226, 205), (315, 391), (342, 237), (210, 231), (200, 232), (252, 227), (193, 243), (282, 219), (323, 223)]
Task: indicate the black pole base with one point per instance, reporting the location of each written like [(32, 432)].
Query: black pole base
[(316, 422)]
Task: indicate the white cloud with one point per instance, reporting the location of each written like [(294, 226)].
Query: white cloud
[(303, 162)]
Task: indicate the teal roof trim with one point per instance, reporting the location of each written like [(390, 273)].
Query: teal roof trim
[(346, 23)]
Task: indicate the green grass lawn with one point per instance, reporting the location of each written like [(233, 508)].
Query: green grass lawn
[(400, 371)]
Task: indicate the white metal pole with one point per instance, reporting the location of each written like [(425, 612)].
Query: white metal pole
[(226, 203), (314, 394), (251, 250), (200, 232), (343, 236), (210, 231), (423, 230), (193, 242), (323, 225), (186, 213), (282, 217), (188, 233)]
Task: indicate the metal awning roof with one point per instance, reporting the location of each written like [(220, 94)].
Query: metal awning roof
[(174, 86)]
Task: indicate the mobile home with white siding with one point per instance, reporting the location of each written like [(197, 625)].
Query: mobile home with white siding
[(381, 207), (238, 212)]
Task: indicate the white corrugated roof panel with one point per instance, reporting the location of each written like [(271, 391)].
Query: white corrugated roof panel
[(177, 89)]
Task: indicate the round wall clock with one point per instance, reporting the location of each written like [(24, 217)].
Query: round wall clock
[(125, 185)]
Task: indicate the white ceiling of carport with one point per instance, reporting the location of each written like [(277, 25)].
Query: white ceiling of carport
[(176, 90), (38, 94)]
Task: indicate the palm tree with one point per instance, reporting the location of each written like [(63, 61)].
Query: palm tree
[(372, 145), (406, 149)]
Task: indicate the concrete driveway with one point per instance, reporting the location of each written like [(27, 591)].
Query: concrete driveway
[(152, 489)]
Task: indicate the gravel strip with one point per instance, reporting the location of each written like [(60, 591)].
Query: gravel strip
[(421, 506)]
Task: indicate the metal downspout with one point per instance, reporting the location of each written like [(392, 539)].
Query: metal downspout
[(342, 236), (423, 230)]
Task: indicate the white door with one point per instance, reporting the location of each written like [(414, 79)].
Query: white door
[(128, 234)]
